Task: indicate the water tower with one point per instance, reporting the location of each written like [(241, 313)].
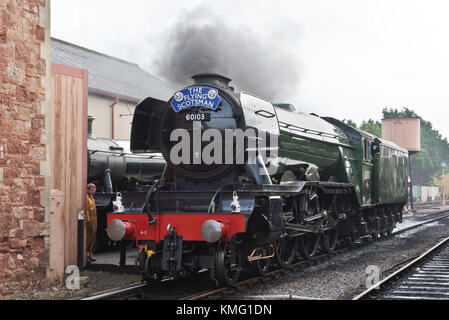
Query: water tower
[(406, 133)]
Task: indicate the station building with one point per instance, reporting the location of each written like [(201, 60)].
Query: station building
[(443, 184), (115, 87)]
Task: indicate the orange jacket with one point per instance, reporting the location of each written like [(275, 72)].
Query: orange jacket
[(91, 209)]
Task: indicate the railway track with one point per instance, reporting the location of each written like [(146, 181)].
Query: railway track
[(424, 278), (299, 266), (127, 293), (137, 291), (249, 283)]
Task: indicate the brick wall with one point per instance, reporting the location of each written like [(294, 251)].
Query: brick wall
[(24, 153)]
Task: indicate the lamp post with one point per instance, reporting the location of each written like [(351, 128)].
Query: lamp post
[(443, 164)]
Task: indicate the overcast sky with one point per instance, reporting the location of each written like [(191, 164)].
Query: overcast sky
[(349, 58)]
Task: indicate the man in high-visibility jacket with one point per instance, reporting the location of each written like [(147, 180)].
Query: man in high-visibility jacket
[(91, 217)]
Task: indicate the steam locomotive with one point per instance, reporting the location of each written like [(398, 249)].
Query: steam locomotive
[(113, 170), (251, 183)]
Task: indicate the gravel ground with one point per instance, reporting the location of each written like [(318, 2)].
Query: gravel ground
[(345, 275), (90, 282)]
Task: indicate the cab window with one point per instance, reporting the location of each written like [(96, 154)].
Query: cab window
[(367, 150)]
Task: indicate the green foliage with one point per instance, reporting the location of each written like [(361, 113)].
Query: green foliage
[(368, 126), (350, 122), (372, 127), (394, 113)]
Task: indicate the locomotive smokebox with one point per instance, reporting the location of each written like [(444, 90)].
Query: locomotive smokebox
[(206, 130)]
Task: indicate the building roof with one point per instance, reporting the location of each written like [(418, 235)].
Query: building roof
[(109, 75)]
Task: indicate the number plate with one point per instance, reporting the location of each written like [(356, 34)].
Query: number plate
[(197, 116)]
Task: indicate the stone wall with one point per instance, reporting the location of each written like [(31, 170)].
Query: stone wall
[(24, 148)]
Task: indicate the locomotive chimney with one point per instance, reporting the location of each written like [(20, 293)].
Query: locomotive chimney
[(212, 78)]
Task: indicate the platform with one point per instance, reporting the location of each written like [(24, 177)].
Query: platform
[(419, 216), (109, 261)]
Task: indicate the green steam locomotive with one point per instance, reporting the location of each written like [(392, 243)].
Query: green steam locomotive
[(228, 200)]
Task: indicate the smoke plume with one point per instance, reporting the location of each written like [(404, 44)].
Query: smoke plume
[(257, 63)]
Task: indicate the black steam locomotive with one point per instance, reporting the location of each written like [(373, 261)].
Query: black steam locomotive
[(114, 170), (248, 182)]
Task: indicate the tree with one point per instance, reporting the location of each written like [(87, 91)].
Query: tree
[(373, 127), (350, 122)]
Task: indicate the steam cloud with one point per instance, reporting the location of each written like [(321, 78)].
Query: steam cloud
[(256, 63)]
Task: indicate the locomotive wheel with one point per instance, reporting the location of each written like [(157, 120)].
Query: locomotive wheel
[(227, 267), (389, 226), (329, 240), (285, 251), (384, 232), (389, 231), (139, 262), (350, 241), (308, 245), (145, 267), (263, 265), (375, 235), (142, 263)]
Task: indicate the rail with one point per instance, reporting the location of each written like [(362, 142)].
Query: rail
[(378, 289), (120, 293)]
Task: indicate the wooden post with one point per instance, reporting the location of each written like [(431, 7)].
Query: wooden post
[(81, 252), (69, 89)]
